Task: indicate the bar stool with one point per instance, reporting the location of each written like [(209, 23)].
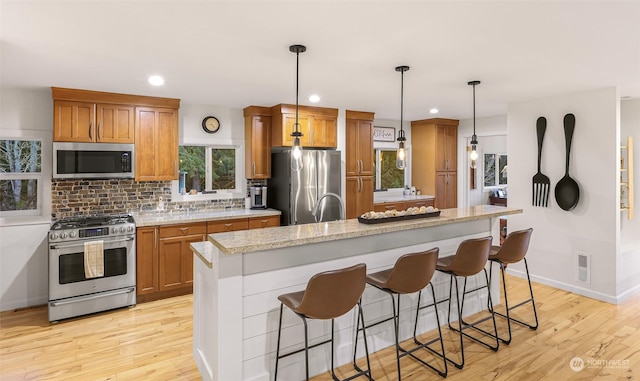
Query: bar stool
[(411, 273), (328, 295), (513, 250), (470, 259)]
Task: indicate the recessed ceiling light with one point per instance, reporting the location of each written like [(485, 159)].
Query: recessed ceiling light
[(314, 98), (434, 111), (156, 80)]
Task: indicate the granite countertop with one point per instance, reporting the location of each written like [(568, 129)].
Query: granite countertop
[(287, 236), (377, 199), (170, 217)]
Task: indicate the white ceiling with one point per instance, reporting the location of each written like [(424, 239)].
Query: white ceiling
[(236, 53)]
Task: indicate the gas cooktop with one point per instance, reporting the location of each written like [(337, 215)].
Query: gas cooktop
[(92, 221)]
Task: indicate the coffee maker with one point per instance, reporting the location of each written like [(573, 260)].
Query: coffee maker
[(258, 196)]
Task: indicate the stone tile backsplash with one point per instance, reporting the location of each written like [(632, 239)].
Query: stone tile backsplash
[(71, 198)]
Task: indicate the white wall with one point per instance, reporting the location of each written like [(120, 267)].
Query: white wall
[(628, 277), (592, 227), (23, 243)]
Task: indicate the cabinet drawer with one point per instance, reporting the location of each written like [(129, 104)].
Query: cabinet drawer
[(183, 230), (417, 204), (264, 222), (222, 226), (382, 207)]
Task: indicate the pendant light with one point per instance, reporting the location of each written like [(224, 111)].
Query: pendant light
[(473, 154), (401, 155), (296, 148)]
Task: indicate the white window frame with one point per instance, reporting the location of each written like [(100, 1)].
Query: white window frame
[(42, 213), (497, 185), (378, 175), (237, 192)]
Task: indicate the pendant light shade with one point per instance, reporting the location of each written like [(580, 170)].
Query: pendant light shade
[(401, 154), (473, 154), (296, 147)]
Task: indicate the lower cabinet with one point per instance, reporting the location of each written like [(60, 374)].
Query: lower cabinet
[(164, 260), (359, 195), (446, 190), (402, 205), (176, 257)]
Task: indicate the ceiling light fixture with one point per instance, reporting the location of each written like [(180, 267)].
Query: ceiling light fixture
[(401, 155), (314, 98), (156, 80), (434, 111), (473, 154), (296, 147)]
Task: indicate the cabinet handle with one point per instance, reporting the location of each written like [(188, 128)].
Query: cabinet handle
[(99, 131), (390, 207), (184, 230), (264, 222), (361, 184), (90, 134), (155, 241), (254, 167)]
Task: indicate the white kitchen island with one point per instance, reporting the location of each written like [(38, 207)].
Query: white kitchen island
[(239, 275)]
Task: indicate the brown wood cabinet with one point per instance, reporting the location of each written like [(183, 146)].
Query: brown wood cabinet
[(401, 205), (257, 142), (359, 163), (434, 159), (175, 255), (264, 222), (146, 260), (156, 144), (231, 225), (78, 121), (319, 126)]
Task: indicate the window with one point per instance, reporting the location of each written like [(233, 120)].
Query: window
[(387, 175), (495, 170), (20, 177), (207, 169)]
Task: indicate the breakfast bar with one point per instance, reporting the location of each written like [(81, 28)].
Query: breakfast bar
[(239, 275)]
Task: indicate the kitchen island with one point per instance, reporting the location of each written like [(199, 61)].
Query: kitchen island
[(239, 275)]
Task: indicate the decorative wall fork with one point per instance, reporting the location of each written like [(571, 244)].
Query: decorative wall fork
[(541, 182)]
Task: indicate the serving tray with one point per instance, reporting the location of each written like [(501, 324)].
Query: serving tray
[(372, 221)]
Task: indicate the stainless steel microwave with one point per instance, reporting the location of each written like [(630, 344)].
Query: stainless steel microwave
[(93, 161)]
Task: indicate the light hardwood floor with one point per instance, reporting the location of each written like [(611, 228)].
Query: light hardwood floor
[(152, 341)]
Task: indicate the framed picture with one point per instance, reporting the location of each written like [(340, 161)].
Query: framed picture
[(384, 134)]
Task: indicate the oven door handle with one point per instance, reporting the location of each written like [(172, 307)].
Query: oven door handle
[(91, 297), (82, 244)]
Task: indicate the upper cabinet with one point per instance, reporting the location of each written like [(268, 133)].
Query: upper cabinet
[(434, 159), (257, 142), (151, 123), (319, 126), (78, 121), (359, 143), (156, 144)]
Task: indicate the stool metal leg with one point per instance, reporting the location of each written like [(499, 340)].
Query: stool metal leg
[(366, 347), (275, 374), (509, 308), (491, 316), (439, 338)]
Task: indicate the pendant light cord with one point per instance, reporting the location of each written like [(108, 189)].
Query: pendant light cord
[(297, 69)]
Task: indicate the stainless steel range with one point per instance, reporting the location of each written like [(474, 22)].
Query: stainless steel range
[(92, 265)]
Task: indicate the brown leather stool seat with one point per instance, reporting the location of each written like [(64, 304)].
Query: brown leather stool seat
[(328, 295), (513, 250), (410, 274), (470, 259)]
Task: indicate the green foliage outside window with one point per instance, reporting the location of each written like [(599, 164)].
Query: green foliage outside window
[(20, 168), (221, 169)]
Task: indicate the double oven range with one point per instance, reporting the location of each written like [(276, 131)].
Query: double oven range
[(71, 292)]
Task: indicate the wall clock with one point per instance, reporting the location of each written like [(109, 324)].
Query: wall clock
[(210, 124)]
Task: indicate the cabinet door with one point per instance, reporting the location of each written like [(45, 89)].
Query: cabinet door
[(258, 147), (264, 222), (73, 121), (146, 261), (289, 121), (446, 190), (446, 149), (176, 261), (115, 123), (324, 132), (359, 195), (365, 147), (156, 144), (352, 163)]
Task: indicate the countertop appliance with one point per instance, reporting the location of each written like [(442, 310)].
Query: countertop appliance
[(258, 195), (109, 242), (297, 193), (93, 160)]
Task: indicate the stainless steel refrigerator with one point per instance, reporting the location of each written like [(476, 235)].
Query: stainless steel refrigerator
[(296, 193)]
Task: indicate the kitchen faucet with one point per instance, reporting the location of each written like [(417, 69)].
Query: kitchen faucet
[(315, 208)]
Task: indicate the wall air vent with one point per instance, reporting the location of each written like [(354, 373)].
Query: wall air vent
[(584, 267)]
